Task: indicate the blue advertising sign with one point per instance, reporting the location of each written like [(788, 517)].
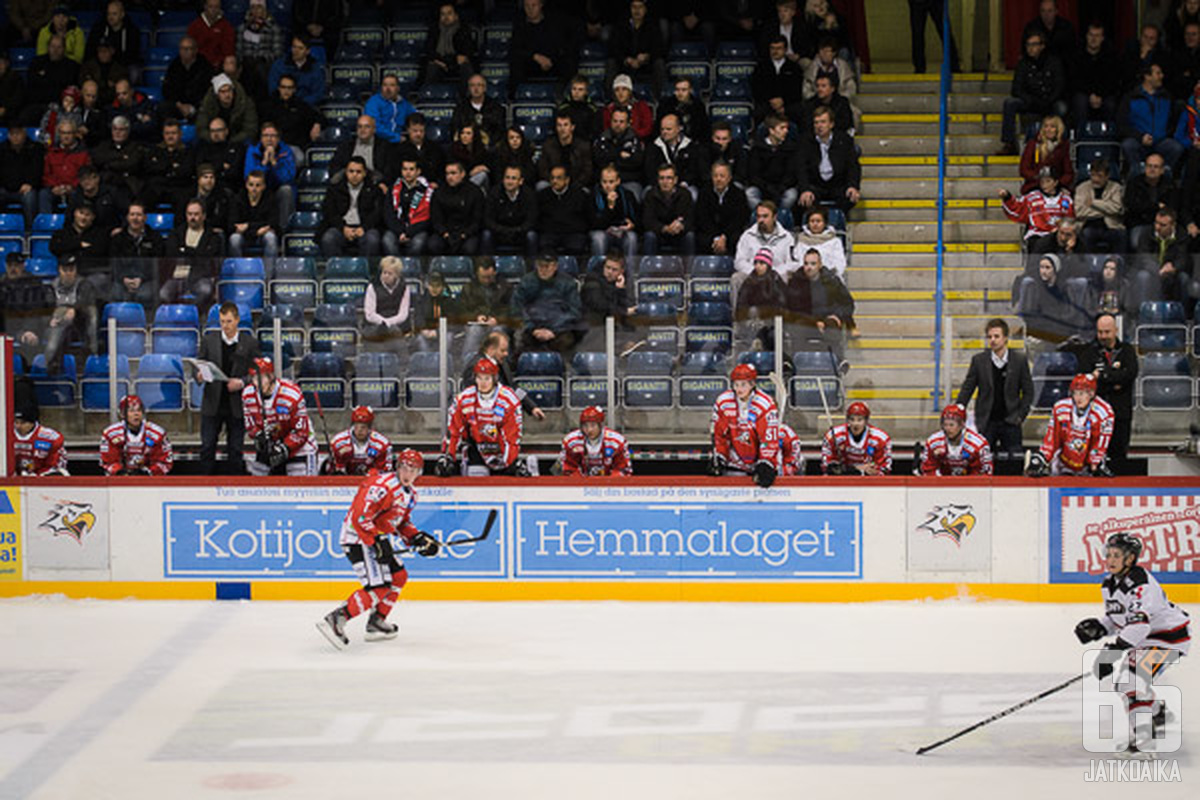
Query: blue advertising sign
[(277, 539), (609, 540)]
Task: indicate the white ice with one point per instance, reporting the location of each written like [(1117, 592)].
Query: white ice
[(584, 701)]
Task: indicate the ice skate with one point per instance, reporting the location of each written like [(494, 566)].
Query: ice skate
[(333, 628), (379, 629)]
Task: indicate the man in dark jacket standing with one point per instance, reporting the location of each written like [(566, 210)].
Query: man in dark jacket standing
[(1114, 365), (1039, 87), (1005, 388), (352, 214), (233, 350), (457, 214)]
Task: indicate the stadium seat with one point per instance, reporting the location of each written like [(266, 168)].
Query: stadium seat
[(12, 229), (1052, 373), (334, 134), (42, 267), (701, 391), (1166, 382), (709, 290), (346, 279), (545, 391), (404, 50), (131, 327), (817, 383), (375, 381), (452, 267), (176, 330), (160, 222), (294, 282), (313, 176), (732, 91), (653, 313), (703, 363), (322, 379), (536, 362), (160, 382), (649, 392), (48, 223), (587, 390), (649, 363), (660, 267), (736, 51), (713, 314), (95, 382), (762, 360), (54, 390), (426, 365), (510, 268), (586, 363), (1162, 326), (568, 265), (334, 329)]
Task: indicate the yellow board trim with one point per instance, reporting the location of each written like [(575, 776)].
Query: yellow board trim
[(833, 592)]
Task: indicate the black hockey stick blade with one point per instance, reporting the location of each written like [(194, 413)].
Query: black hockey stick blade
[(487, 530), (1004, 713)]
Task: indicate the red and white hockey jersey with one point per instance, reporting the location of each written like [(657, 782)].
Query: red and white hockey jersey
[(746, 433), (790, 454), (1075, 442), (1137, 608), (382, 505), (352, 457), (42, 451), (283, 416), (873, 447), (970, 456), (1039, 212), (149, 448), (607, 455), (493, 423)]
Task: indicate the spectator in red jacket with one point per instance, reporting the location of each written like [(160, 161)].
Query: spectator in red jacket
[(213, 33), (641, 117), (60, 170)]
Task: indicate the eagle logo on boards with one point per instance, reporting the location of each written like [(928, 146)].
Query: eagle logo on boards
[(952, 521), (69, 518)]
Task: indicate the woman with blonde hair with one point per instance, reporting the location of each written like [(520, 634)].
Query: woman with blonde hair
[(1050, 148)]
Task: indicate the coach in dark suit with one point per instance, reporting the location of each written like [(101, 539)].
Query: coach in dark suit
[(1114, 365), (999, 415), (234, 351)]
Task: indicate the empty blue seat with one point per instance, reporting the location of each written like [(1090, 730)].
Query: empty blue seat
[(333, 134), (702, 363), (313, 176), (57, 389), (289, 316), (510, 267), (648, 392), (176, 330), (344, 92), (540, 363), (534, 93), (131, 327), (735, 51), (655, 313), (12, 224), (660, 267), (160, 382), (711, 267), (438, 93), (376, 381), (715, 314), (535, 132), (545, 391), (426, 365), (294, 267), (687, 50), (243, 269), (404, 50), (42, 267), (649, 363), (709, 290), (701, 391), (48, 223), (304, 221), (590, 363), (762, 360), (708, 339), (452, 266), (334, 330), (95, 383), (814, 362), (568, 265), (1166, 381), (1098, 129), (322, 379), (160, 221), (584, 391), (735, 91), (347, 267), (1055, 363)]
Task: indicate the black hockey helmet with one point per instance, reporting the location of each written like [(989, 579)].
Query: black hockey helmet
[(1127, 543)]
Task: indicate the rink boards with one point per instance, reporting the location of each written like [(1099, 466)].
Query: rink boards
[(643, 539)]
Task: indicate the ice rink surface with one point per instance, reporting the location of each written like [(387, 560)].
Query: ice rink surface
[(140, 699)]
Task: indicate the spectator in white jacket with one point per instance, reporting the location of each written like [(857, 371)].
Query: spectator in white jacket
[(817, 234), (766, 232)]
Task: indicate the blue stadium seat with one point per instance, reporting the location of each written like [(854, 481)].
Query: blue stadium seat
[(176, 330), (42, 266), (736, 51), (545, 391), (322, 379), (1166, 382), (701, 391), (510, 267), (715, 314), (1052, 374), (354, 53), (1104, 130), (650, 392), (346, 279), (48, 223), (537, 362), (57, 389), (732, 91), (452, 266), (289, 316), (762, 360), (438, 93), (347, 267), (568, 265), (334, 330), (334, 134), (94, 385), (535, 132), (404, 50), (587, 390), (703, 363), (660, 267), (426, 365), (527, 114), (709, 290), (160, 56), (131, 327), (588, 363), (376, 382), (816, 375), (653, 313), (160, 222), (313, 176), (687, 50), (534, 93), (1162, 326), (649, 363), (294, 267), (160, 382)]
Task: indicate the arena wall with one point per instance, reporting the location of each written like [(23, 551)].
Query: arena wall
[(638, 539)]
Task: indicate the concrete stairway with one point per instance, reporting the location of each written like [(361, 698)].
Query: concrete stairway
[(893, 231)]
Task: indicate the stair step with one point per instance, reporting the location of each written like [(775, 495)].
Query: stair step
[(872, 257), (902, 214), (875, 145), (929, 103), (925, 118), (919, 343), (929, 171), (927, 231), (927, 294), (887, 125), (861, 279), (927, 189), (883, 82)]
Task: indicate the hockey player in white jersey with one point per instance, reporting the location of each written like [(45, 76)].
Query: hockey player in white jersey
[(1148, 628)]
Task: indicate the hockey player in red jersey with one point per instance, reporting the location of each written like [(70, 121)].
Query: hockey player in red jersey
[(594, 449), (745, 430), (856, 445), (382, 507), (955, 449), (37, 450), (791, 457), (360, 448), (135, 446), (1149, 627), (1076, 441), (277, 421), (483, 435)]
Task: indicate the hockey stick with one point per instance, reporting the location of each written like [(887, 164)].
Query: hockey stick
[(324, 427), (487, 530), (1004, 713)]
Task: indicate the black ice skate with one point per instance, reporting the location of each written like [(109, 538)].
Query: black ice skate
[(379, 629), (333, 628)]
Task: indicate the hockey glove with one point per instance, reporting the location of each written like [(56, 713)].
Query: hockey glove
[(358, 469), (1103, 669), (764, 474), (262, 447), (445, 467), (382, 548), (519, 469), (425, 545), (1102, 470), (277, 455), (1038, 468), (1089, 630), (122, 472), (835, 468), (918, 454), (495, 464), (144, 471), (717, 466)]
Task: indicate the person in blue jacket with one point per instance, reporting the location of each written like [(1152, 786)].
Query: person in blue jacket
[(389, 109), (278, 163), (308, 72), (1144, 122)]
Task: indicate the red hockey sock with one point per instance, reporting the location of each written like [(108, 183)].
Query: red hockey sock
[(385, 603), (358, 602)]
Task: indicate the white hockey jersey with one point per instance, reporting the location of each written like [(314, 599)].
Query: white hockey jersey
[(1137, 609)]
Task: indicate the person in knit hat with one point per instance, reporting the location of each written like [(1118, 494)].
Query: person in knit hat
[(761, 298)]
